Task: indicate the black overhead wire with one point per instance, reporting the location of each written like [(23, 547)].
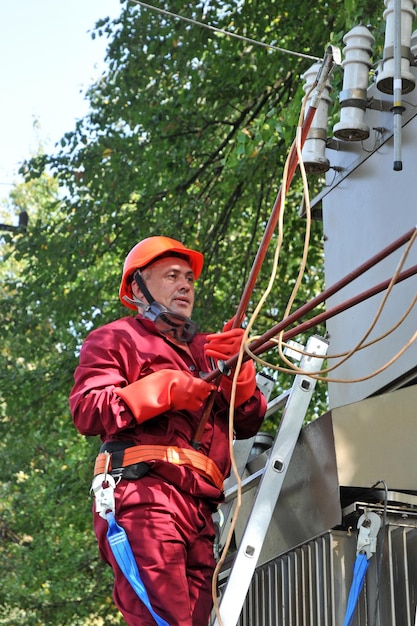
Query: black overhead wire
[(221, 31)]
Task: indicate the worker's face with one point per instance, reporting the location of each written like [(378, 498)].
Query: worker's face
[(171, 283)]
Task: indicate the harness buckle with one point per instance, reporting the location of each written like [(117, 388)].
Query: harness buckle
[(103, 487)]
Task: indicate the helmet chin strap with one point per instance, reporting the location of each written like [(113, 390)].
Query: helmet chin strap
[(138, 278), (182, 328)]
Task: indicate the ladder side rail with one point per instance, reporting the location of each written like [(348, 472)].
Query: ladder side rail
[(248, 553)]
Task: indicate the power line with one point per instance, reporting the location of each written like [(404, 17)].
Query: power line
[(224, 32)]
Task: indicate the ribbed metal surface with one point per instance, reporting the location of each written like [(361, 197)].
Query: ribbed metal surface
[(295, 589), (402, 569), (309, 585)]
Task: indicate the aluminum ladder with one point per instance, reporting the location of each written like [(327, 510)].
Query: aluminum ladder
[(271, 481)]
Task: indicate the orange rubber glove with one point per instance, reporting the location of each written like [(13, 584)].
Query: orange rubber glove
[(163, 390), (222, 346)]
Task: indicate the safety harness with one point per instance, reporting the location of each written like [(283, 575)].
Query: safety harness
[(121, 459), (140, 457), (103, 487)]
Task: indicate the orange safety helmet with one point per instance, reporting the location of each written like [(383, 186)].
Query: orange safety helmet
[(149, 250)]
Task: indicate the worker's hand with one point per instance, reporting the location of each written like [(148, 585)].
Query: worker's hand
[(163, 390), (186, 391), (222, 346)]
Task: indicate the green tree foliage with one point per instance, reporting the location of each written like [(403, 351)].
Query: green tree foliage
[(187, 135)]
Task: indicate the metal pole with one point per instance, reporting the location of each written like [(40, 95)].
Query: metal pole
[(262, 344), (259, 348), (320, 83), (329, 61), (397, 108)]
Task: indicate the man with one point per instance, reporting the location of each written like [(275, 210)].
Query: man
[(140, 387)]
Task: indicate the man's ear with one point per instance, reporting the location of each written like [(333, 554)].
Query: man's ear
[(137, 292)]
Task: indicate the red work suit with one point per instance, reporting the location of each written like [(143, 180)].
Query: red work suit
[(166, 514)]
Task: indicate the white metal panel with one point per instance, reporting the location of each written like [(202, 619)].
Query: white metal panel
[(366, 206), (376, 439)]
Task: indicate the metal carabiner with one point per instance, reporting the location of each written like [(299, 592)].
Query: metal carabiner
[(368, 524), (103, 487)]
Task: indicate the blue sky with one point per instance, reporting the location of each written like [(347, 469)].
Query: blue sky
[(47, 60)]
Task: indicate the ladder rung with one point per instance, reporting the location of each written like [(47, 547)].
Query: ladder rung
[(246, 484)]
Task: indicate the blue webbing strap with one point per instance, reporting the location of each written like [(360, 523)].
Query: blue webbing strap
[(123, 554), (359, 571)]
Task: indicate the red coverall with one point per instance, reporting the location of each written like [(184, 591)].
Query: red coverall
[(167, 514)]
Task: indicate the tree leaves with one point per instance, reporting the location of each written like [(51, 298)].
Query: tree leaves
[(187, 135)]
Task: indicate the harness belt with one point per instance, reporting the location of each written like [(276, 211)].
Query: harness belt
[(172, 454)]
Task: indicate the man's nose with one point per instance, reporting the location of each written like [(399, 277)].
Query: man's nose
[(184, 285)]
